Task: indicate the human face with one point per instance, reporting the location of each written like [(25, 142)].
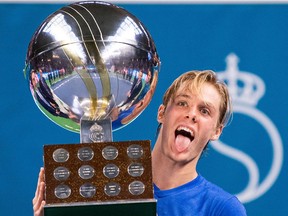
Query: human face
[(148, 78), (34, 80), (188, 123), (140, 74)]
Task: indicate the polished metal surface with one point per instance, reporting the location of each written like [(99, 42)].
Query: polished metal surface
[(94, 60)]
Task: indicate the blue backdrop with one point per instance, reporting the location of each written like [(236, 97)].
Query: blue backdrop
[(246, 44)]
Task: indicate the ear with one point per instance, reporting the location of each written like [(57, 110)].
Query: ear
[(160, 114), (218, 132)]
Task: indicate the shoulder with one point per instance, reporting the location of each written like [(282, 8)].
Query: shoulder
[(224, 203)]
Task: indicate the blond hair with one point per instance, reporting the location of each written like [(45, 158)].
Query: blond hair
[(193, 81)]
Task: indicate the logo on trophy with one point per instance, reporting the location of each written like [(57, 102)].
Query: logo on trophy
[(92, 68)]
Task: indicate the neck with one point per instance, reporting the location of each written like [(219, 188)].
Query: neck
[(169, 173)]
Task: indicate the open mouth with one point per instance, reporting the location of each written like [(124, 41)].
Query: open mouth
[(186, 132)]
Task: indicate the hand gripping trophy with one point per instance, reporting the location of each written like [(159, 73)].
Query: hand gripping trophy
[(92, 68)]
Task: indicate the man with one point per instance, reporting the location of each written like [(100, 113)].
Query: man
[(143, 99), (145, 88), (134, 91), (195, 110), (44, 96)]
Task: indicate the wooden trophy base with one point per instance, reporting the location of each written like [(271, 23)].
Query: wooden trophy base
[(105, 178)]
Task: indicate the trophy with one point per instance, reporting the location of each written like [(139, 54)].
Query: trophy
[(92, 68)]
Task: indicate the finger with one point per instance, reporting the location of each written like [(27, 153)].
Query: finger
[(40, 179), (40, 211), (38, 183), (38, 201)]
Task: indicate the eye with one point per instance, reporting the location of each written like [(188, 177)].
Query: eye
[(182, 103), (205, 111)]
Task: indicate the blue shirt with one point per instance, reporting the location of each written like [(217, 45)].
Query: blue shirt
[(198, 198)]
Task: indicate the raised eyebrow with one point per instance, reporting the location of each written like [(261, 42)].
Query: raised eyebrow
[(209, 105), (187, 96), (183, 95)]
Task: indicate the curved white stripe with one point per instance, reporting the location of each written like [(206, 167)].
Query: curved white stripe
[(254, 189), (277, 157), (244, 159)]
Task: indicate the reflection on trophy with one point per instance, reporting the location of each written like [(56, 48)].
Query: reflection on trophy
[(92, 69)]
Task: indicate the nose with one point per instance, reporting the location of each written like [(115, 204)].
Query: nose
[(194, 119), (191, 114)]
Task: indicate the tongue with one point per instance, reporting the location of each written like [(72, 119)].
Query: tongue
[(182, 143)]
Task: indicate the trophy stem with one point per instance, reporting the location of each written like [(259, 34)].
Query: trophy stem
[(95, 131)]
